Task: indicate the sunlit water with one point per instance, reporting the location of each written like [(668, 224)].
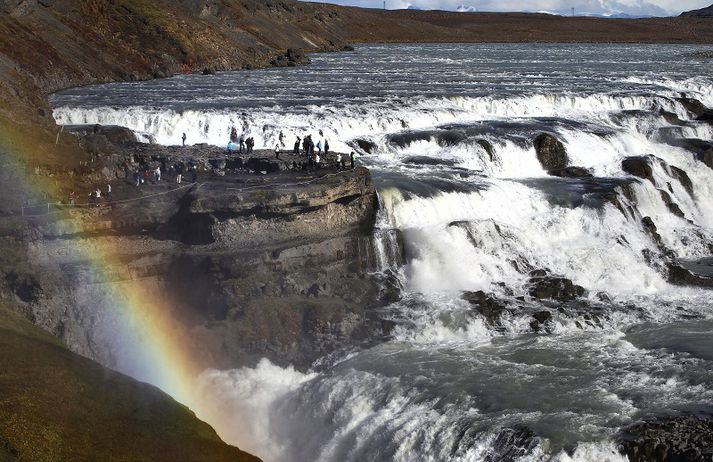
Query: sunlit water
[(449, 386)]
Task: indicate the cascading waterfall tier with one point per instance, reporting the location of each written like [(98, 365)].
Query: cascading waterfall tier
[(537, 314)]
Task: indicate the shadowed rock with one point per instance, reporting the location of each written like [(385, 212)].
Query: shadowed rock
[(553, 287), (550, 152), (669, 439), (639, 166), (571, 172), (487, 305)]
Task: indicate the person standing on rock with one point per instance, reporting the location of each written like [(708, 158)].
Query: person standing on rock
[(296, 150), (108, 192), (183, 139), (305, 145), (157, 173), (319, 146), (241, 148), (352, 159), (230, 147), (340, 164), (281, 139), (317, 160), (326, 146)]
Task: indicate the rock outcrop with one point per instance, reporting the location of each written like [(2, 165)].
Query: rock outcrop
[(277, 265), (550, 152), (669, 439), (639, 166), (544, 286), (291, 58)]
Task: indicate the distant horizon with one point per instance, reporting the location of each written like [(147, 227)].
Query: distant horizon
[(603, 8)]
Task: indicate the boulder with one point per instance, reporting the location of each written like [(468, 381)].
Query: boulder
[(639, 166), (488, 147), (682, 178), (291, 58), (669, 439), (555, 288), (365, 145), (693, 106), (571, 172), (550, 152), (691, 273), (540, 319), (487, 305)]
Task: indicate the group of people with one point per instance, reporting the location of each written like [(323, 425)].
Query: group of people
[(94, 196), (153, 174), (308, 146)]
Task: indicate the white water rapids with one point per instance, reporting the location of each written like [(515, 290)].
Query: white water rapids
[(449, 385)]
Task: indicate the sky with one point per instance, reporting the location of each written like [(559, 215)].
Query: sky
[(598, 7)]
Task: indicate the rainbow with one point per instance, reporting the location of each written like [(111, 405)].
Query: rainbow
[(156, 346)]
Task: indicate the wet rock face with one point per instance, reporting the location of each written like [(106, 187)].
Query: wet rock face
[(540, 319), (669, 439), (513, 444), (571, 172), (487, 305), (279, 265), (543, 286), (365, 145), (639, 166), (691, 273), (550, 152)]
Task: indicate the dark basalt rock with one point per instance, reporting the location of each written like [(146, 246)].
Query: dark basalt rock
[(540, 319), (651, 228), (682, 178), (512, 444), (427, 160), (550, 152), (555, 288), (706, 116), (672, 206), (639, 166), (669, 439), (488, 146), (571, 172), (487, 305), (365, 145), (691, 273), (693, 105), (291, 58)]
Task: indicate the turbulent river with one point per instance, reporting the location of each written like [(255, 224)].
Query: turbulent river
[(448, 132)]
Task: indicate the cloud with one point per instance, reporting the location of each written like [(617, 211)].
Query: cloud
[(606, 7)]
